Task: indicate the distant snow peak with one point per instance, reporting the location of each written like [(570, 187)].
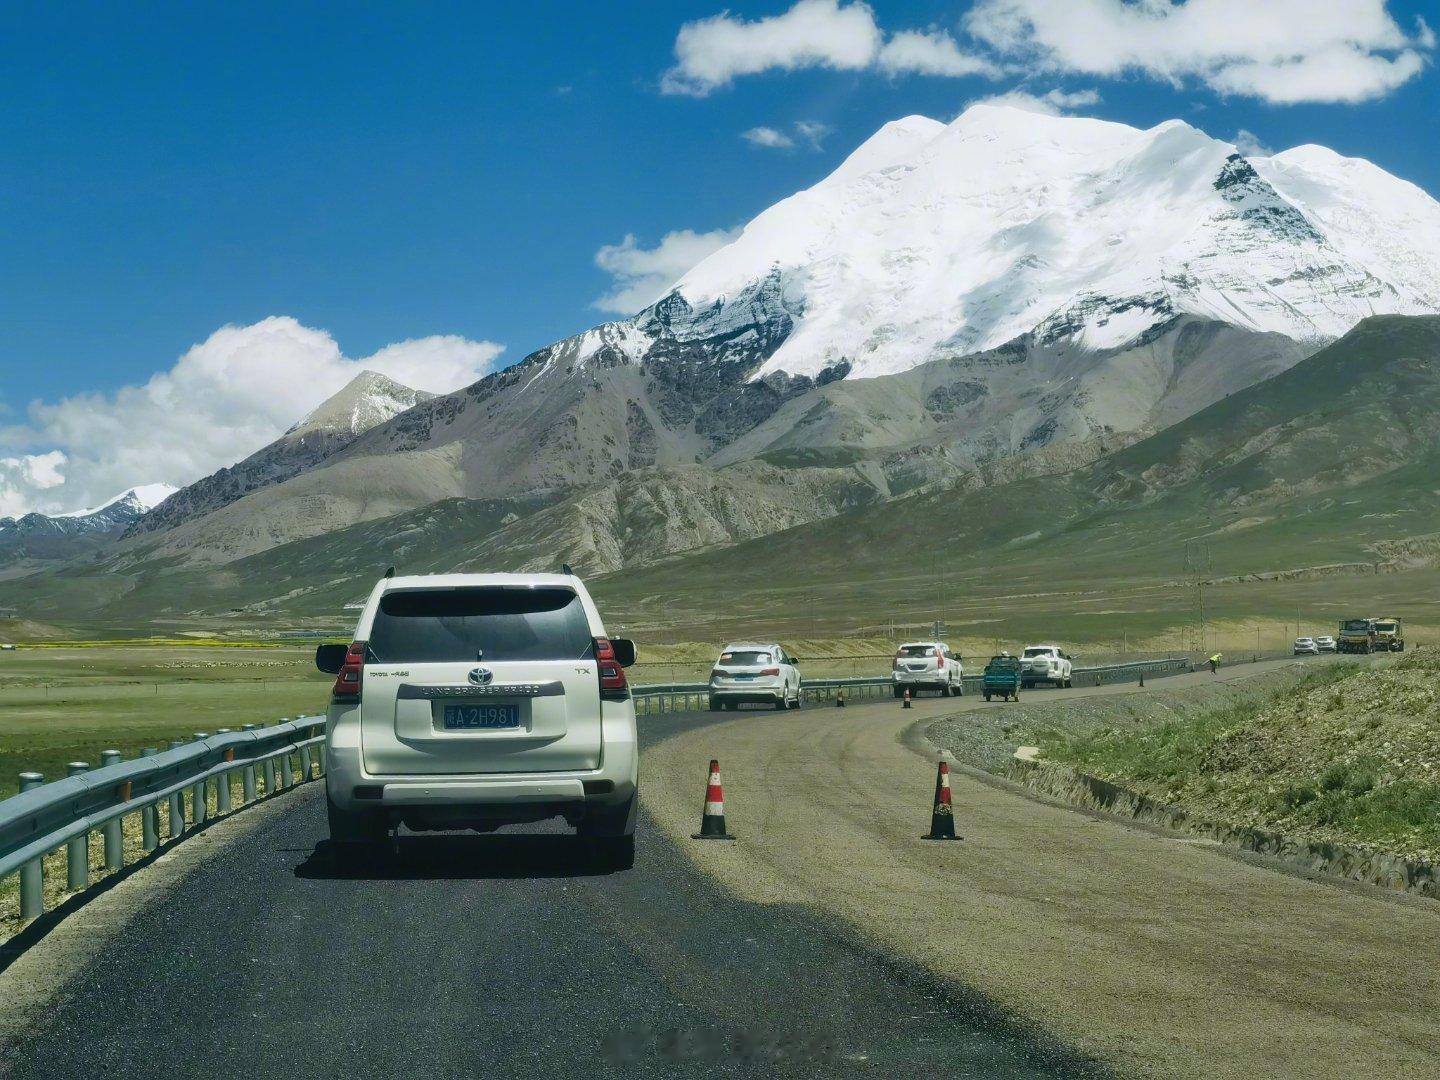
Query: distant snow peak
[(931, 238)]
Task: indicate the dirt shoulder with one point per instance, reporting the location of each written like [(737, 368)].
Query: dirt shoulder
[(1159, 954)]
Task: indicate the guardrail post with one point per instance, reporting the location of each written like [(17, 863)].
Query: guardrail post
[(112, 829), (32, 874), (247, 774), (319, 729), (149, 826), (222, 782), (197, 793), (283, 775), (177, 804), (304, 764), (77, 849)]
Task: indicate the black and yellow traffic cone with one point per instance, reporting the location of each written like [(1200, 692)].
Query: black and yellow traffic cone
[(712, 821), (906, 703), (942, 817)]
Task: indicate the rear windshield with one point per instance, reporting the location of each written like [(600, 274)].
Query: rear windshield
[(917, 650), (1040, 652), (746, 657), (495, 623)]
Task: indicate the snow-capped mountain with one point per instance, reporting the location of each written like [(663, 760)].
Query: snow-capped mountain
[(935, 240), (1011, 294), (61, 535)]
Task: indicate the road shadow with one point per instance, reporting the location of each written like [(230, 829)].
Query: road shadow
[(452, 857)]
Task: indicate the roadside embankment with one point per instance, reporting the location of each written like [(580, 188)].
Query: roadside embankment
[(1336, 769)]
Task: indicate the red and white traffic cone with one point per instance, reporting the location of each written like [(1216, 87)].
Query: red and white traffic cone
[(712, 822), (906, 703), (942, 817)]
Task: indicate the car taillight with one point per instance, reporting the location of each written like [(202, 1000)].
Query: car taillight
[(770, 671), (895, 664), (939, 660), (347, 681), (613, 684)]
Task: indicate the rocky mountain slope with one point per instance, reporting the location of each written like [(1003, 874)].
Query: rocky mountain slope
[(1330, 466), (366, 401)]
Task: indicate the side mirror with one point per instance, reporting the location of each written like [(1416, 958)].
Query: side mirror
[(624, 651), (330, 658)]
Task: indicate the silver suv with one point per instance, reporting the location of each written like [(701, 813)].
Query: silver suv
[(470, 701)]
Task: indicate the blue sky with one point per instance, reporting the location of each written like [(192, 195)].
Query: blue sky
[(403, 171)]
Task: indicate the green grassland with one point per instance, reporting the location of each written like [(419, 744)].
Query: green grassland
[(65, 704)]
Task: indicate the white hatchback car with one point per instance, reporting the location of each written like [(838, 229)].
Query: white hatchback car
[(761, 674), (470, 701), (1046, 664), (1326, 644), (1306, 646), (927, 665)]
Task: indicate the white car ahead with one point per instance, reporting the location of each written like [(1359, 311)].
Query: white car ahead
[(754, 673), (1327, 644), (927, 665), (470, 701), (1045, 664), (1306, 646)]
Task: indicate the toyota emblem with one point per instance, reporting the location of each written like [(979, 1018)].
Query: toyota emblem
[(481, 676)]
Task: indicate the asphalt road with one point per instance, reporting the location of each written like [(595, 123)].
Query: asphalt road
[(497, 956)]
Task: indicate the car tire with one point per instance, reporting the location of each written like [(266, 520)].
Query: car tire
[(716, 704), (355, 830), (612, 853), (610, 822), (987, 697), (899, 692), (782, 702)]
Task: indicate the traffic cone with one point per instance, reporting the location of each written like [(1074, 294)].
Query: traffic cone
[(840, 698), (942, 818), (712, 822), (906, 704)]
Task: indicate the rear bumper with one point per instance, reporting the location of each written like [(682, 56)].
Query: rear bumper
[(748, 694), (921, 678), (499, 796)]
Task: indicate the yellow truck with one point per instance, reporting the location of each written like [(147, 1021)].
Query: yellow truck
[(1388, 635), (1380, 634)]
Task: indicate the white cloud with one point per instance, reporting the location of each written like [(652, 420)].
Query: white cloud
[(711, 52), (643, 275), (911, 52), (1282, 51), (1249, 144), (813, 132), (1053, 103), (767, 137), (28, 472), (225, 398)]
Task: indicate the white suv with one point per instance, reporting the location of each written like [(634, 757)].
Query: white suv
[(1047, 664), (763, 674), (927, 665), (470, 701)]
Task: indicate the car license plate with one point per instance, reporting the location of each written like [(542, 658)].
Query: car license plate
[(471, 717)]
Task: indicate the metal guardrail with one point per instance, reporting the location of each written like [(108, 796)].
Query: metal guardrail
[(45, 817), (681, 697), (160, 786)]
